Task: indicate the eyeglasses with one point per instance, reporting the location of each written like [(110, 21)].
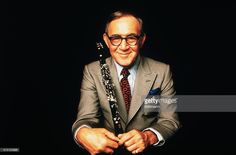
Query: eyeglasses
[(130, 40)]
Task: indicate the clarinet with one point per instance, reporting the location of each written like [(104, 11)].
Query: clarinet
[(110, 90)]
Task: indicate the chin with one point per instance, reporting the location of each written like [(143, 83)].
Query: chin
[(125, 63)]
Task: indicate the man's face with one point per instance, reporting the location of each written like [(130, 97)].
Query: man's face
[(124, 54)]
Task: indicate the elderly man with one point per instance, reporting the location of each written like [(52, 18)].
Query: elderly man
[(134, 77)]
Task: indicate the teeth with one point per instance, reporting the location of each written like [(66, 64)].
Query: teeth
[(124, 53)]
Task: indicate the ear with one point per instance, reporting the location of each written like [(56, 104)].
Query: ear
[(142, 41), (106, 40)]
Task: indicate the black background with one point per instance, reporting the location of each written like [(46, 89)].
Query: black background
[(46, 45)]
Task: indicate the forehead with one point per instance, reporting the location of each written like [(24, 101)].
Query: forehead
[(124, 26)]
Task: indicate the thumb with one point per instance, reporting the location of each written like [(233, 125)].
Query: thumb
[(120, 135), (110, 135)]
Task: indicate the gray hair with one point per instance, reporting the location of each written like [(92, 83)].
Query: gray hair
[(119, 14)]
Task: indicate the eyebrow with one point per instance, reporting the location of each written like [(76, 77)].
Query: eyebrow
[(131, 34)]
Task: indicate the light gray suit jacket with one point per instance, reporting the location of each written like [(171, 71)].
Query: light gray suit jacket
[(94, 109)]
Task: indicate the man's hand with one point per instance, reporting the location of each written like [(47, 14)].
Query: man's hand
[(97, 140), (136, 141)]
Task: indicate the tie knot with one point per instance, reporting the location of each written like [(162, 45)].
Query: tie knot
[(125, 72)]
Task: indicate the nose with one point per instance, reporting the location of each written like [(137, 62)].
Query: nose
[(124, 45)]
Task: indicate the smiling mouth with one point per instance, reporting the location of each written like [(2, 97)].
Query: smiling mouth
[(124, 54)]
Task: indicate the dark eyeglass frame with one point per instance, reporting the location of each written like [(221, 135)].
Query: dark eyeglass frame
[(137, 37)]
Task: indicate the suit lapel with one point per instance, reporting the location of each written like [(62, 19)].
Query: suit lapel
[(143, 83), (119, 96)]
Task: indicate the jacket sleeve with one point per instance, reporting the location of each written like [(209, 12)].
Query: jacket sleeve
[(89, 112), (167, 123)]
